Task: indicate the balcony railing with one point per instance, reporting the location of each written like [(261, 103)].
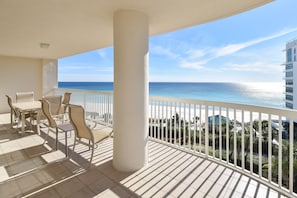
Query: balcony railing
[(257, 141)]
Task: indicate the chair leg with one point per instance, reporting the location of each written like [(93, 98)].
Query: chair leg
[(92, 153), (46, 136), (11, 119), (74, 144), (57, 138)]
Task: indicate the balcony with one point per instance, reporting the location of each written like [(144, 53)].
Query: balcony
[(34, 171), (196, 148)]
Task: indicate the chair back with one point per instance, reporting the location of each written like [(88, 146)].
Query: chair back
[(14, 111), (55, 103), (46, 106), (77, 119), (66, 98), (25, 96)]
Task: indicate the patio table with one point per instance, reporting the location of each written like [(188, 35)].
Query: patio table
[(23, 107), (65, 127)]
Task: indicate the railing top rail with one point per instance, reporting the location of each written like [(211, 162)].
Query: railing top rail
[(84, 91), (254, 108), (289, 113)]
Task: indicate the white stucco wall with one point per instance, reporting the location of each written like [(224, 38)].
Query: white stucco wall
[(19, 74)]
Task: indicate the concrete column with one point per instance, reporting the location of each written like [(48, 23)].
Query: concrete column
[(130, 90), (49, 75)]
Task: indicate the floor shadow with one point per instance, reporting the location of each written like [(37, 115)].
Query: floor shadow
[(89, 183)]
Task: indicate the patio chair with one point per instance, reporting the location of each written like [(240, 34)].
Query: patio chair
[(15, 115), (83, 133), (25, 96), (65, 104), (52, 123), (55, 104), (66, 98)]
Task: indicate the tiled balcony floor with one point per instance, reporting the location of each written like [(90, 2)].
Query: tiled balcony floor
[(29, 168)]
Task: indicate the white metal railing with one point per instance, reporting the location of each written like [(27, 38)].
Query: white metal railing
[(97, 105), (258, 141)]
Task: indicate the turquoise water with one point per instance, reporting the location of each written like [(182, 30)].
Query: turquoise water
[(262, 94)]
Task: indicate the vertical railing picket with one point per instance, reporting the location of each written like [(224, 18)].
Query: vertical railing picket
[(200, 129), (269, 148), (280, 155), (206, 131), (235, 139), (213, 132), (227, 136), (251, 143), (220, 133), (242, 140), (291, 156), (195, 129), (260, 145), (179, 125)]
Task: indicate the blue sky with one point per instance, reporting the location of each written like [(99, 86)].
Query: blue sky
[(243, 48)]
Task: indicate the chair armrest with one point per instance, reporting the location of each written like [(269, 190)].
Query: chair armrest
[(90, 123)]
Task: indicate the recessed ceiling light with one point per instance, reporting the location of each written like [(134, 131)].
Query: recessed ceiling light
[(44, 45)]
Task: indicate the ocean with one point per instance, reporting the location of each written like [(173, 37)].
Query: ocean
[(261, 94)]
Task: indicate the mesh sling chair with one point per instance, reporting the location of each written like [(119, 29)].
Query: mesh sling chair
[(15, 115), (83, 133), (65, 104), (25, 96), (52, 124)]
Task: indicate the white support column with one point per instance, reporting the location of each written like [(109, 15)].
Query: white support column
[(49, 75), (130, 90)]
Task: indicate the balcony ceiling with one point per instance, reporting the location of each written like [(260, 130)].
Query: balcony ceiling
[(75, 26)]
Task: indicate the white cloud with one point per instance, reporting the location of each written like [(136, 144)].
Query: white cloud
[(75, 67), (159, 50), (198, 59), (102, 53), (193, 54), (261, 67), (198, 65), (233, 48)]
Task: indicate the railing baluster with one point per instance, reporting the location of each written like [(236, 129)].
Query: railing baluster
[(150, 118), (220, 133), (200, 129), (170, 122), (189, 127), (179, 125), (235, 139), (251, 143), (161, 119), (206, 131), (242, 141), (280, 155), (260, 145), (291, 156), (158, 121), (269, 147), (195, 128), (213, 132), (184, 126), (227, 136), (175, 124), (166, 122), (155, 119)]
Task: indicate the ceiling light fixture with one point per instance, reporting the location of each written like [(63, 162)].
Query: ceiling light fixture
[(44, 45)]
